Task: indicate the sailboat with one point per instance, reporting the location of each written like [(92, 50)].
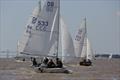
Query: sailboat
[(43, 33), (82, 45)]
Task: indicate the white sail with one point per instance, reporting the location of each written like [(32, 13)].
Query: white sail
[(67, 43), (87, 52), (25, 38), (83, 53), (79, 39), (43, 30), (90, 53), (53, 50)]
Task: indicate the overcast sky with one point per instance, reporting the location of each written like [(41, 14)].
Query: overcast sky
[(103, 21)]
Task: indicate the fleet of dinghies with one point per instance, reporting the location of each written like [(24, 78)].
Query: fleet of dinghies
[(46, 35)]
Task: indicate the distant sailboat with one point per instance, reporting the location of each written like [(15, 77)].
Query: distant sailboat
[(88, 54), (82, 45)]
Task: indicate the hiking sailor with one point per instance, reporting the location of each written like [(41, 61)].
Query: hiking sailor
[(50, 64), (44, 63), (59, 63), (34, 62)]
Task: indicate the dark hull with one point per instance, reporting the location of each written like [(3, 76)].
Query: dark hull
[(85, 63)]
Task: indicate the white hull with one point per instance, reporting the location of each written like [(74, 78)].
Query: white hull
[(53, 70)]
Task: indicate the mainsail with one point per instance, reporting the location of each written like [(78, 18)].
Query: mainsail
[(25, 38), (79, 39), (42, 30)]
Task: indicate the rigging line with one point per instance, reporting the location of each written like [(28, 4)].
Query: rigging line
[(0, 27)]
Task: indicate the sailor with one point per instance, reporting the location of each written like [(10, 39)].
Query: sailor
[(51, 64), (34, 62), (89, 61), (44, 63), (23, 59), (84, 60), (45, 60), (59, 63)]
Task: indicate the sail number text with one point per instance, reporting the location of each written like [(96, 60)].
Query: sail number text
[(78, 36), (42, 25), (50, 6), (38, 25)]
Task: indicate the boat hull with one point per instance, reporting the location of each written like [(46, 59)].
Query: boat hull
[(85, 63), (53, 70)]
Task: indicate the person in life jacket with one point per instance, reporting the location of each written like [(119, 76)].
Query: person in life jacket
[(50, 64), (59, 63), (44, 63), (34, 62)]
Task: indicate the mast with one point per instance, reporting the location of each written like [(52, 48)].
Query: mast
[(86, 38), (39, 6), (0, 37), (58, 28)]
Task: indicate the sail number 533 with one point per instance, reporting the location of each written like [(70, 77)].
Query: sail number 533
[(42, 25)]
